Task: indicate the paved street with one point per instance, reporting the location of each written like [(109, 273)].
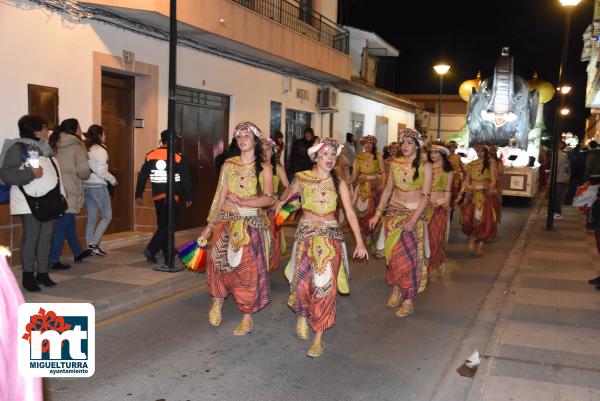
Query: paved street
[(168, 351)]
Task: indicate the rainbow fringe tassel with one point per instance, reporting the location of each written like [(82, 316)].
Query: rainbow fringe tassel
[(193, 255), (288, 211)]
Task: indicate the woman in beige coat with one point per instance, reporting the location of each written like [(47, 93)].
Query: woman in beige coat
[(74, 166)]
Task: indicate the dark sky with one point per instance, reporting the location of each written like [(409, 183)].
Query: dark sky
[(469, 36)]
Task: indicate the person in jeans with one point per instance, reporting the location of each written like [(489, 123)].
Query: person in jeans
[(97, 198), (75, 168), (155, 168), (18, 168)]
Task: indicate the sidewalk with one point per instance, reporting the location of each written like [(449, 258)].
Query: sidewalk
[(121, 281), (546, 342)]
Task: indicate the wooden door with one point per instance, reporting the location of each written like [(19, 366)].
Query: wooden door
[(117, 121), (201, 123)]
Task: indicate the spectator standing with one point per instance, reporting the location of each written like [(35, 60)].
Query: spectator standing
[(350, 148), (18, 169), (155, 168), (299, 160), (592, 174), (561, 180), (75, 169), (97, 198)]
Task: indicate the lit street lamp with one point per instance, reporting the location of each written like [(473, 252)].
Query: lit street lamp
[(569, 5), (441, 69), (564, 111)]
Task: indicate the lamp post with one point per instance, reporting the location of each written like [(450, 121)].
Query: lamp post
[(569, 5), (441, 69)]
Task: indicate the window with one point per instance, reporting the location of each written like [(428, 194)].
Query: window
[(357, 122)]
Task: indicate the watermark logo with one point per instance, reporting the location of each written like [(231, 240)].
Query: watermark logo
[(56, 340)]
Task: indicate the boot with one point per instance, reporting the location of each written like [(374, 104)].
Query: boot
[(29, 282), (44, 279)]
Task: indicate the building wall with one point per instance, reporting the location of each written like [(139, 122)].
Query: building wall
[(349, 103)]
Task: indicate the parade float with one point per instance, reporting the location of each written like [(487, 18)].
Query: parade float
[(507, 111)]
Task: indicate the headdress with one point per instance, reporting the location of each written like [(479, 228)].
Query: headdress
[(247, 126), (270, 142), (368, 139), (441, 149), (312, 151), (410, 133)]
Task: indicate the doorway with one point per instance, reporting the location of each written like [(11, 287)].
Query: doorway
[(118, 93), (295, 123), (201, 123)]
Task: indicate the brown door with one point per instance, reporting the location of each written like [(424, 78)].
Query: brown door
[(201, 121), (117, 121)]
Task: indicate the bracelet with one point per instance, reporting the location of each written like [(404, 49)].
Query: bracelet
[(425, 194)]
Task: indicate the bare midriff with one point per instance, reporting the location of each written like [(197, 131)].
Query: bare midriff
[(307, 216)]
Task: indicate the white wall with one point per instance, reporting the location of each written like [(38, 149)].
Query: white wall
[(349, 103), (51, 49)]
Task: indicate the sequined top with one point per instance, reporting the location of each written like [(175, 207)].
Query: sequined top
[(474, 170), (366, 163), (319, 196), (402, 172), (440, 179)]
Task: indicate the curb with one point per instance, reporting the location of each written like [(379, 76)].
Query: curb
[(482, 332)]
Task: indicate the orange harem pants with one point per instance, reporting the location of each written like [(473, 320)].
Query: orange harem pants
[(437, 234), (248, 282), (479, 215), (315, 254), (275, 256)]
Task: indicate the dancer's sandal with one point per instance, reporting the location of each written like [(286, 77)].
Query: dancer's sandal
[(302, 328), (316, 349), (245, 327), (215, 316), (406, 309)]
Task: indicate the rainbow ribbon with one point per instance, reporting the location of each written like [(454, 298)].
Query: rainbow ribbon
[(288, 211)]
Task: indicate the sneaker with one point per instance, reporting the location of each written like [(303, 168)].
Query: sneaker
[(59, 266), (557, 216), (96, 250), (82, 255)]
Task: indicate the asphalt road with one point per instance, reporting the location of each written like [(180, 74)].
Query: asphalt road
[(167, 351)]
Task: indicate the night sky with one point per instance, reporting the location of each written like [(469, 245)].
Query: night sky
[(469, 36)]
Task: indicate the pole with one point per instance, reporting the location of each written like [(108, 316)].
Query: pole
[(169, 257), (439, 127), (556, 132)]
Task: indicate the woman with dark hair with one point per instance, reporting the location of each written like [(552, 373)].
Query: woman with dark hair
[(441, 198), (269, 155), (478, 215), (405, 221), (28, 166), (318, 267), (75, 168), (459, 171), (238, 228), (367, 173), (97, 198)]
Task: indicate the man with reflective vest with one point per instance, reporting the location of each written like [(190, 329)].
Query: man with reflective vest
[(155, 168)]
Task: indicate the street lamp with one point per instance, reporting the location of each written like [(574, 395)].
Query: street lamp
[(564, 111), (565, 89), (441, 69), (569, 5)]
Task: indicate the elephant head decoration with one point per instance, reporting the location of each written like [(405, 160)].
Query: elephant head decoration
[(502, 107)]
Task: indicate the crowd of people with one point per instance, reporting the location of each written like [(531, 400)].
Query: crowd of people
[(396, 206)]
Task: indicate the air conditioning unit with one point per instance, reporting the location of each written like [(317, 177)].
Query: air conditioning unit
[(327, 99)]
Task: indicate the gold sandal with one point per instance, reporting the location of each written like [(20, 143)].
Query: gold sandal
[(215, 317), (244, 327), (394, 299), (406, 309), (316, 349), (302, 328)]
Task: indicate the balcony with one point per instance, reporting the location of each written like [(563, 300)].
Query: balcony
[(307, 22), (264, 32)]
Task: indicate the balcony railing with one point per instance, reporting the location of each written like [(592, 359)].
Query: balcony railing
[(302, 20)]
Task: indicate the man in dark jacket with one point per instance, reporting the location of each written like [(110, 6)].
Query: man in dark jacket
[(299, 160), (155, 168)]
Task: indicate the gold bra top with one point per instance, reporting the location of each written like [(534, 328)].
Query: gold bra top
[(402, 171), (240, 177), (319, 196), (366, 163), (440, 179), (476, 174)]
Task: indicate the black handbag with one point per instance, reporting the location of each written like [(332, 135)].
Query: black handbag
[(50, 206)]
